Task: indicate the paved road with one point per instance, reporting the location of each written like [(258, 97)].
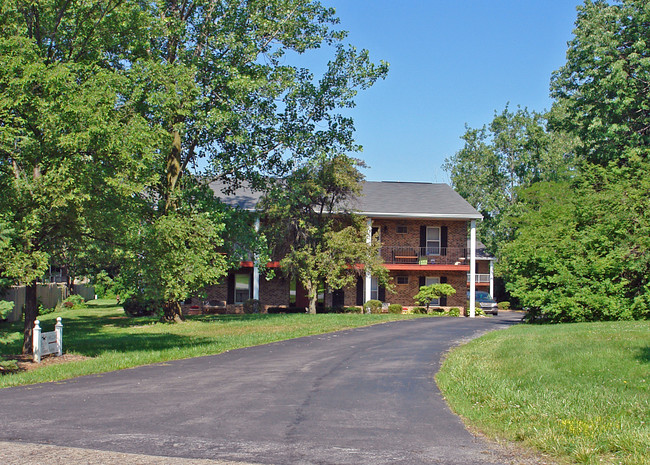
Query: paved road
[(363, 396)]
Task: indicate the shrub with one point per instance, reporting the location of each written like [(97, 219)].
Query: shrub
[(286, 310), (6, 308), (8, 366), (437, 310), (105, 287), (420, 311), (478, 311), (74, 301), (395, 308), (352, 309), (134, 306), (505, 305), (252, 306), (455, 311), (372, 306)]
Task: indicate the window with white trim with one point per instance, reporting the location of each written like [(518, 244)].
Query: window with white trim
[(433, 240), (374, 289)]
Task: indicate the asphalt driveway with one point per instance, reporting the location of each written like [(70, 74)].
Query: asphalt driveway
[(362, 396)]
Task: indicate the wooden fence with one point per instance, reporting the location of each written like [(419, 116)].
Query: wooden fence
[(49, 295)]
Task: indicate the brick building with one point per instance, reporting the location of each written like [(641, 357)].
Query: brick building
[(427, 233)]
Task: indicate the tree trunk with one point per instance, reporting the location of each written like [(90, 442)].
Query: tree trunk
[(173, 171), (312, 293), (31, 313), (173, 312)]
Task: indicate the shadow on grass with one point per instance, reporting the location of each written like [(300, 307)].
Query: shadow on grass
[(644, 355)]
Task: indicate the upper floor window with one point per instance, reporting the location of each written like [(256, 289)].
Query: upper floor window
[(402, 229), (433, 240)]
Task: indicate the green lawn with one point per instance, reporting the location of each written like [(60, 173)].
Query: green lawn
[(579, 392), (114, 341)]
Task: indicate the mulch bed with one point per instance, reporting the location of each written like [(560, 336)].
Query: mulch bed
[(26, 362)]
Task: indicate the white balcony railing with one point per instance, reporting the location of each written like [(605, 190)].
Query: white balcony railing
[(480, 278)]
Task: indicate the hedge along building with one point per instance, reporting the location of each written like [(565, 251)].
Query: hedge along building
[(423, 229)]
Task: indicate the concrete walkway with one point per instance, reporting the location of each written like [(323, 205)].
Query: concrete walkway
[(362, 396)]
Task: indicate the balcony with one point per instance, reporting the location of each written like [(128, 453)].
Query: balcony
[(481, 278), (404, 255)]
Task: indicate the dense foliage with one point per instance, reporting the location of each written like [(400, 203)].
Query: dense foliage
[(312, 226), (574, 243), (109, 106)]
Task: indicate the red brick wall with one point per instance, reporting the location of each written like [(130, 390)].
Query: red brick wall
[(404, 293), (274, 292), (456, 232), (483, 266)]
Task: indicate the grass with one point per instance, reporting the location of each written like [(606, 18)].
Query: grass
[(113, 341), (579, 392)]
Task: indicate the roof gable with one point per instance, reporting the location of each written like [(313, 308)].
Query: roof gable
[(381, 199)]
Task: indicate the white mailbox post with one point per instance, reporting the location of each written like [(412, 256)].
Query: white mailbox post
[(47, 343)]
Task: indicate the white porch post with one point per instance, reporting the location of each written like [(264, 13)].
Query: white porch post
[(492, 278), (36, 341), (368, 286), (472, 269), (256, 271)]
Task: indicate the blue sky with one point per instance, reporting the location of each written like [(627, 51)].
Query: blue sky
[(451, 63)]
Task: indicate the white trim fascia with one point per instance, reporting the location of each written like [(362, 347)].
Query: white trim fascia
[(454, 216)]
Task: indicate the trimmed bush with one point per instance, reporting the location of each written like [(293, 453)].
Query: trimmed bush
[(252, 306), (286, 310), (420, 311), (395, 308), (142, 307), (455, 311), (373, 305), (352, 310), (505, 305)]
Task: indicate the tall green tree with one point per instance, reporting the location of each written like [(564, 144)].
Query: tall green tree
[(62, 134), (312, 226), (515, 150), (605, 84), (581, 250), (112, 102), (219, 82)]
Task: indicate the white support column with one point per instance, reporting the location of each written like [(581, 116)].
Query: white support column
[(472, 269), (256, 271), (58, 329), (368, 284), (492, 278), (36, 341)]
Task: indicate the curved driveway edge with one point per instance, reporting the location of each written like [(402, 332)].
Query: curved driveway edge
[(361, 396)]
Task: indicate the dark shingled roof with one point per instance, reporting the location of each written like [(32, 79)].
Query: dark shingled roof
[(413, 199), (382, 199)]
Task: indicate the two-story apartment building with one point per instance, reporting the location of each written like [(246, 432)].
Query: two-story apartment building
[(424, 229)]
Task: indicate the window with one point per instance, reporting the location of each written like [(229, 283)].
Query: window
[(402, 229), (402, 279), (433, 241), (374, 289), (432, 280), (242, 287)]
